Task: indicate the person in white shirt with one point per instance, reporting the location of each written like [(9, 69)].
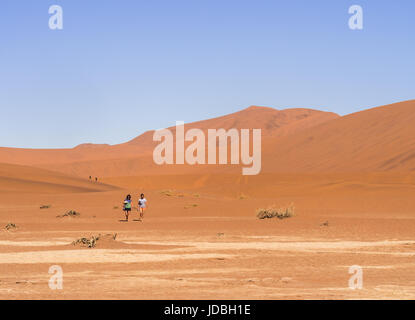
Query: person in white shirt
[(142, 205)]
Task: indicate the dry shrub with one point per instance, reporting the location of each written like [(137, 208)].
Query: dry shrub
[(172, 193), (10, 226), (70, 213), (168, 193), (276, 212), (92, 242), (45, 206), (194, 205)]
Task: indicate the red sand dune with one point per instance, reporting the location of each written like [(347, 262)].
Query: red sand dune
[(23, 179), (294, 140), (136, 155), (378, 139)]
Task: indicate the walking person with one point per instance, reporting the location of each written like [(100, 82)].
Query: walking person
[(127, 206), (142, 206)]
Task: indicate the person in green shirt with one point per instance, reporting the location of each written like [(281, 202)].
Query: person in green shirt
[(127, 206)]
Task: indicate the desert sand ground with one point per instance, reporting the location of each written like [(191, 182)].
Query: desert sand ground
[(198, 243), (351, 180)]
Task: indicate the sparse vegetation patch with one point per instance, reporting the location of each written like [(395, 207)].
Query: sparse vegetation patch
[(276, 212), (168, 193), (70, 213), (92, 242), (171, 193), (10, 226), (194, 205)]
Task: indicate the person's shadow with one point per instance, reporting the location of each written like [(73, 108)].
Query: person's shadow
[(125, 220)]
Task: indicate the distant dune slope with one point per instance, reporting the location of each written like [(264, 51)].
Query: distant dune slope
[(274, 123), (23, 179), (378, 139), (133, 157), (293, 140)]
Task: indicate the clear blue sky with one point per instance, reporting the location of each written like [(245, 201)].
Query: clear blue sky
[(119, 68)]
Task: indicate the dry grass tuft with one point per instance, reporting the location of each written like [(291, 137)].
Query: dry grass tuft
[(194, 205), (45, 206), (10, 226), (70, 213), (171, 193), (168, 193), (92, 242), (276, 212)]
